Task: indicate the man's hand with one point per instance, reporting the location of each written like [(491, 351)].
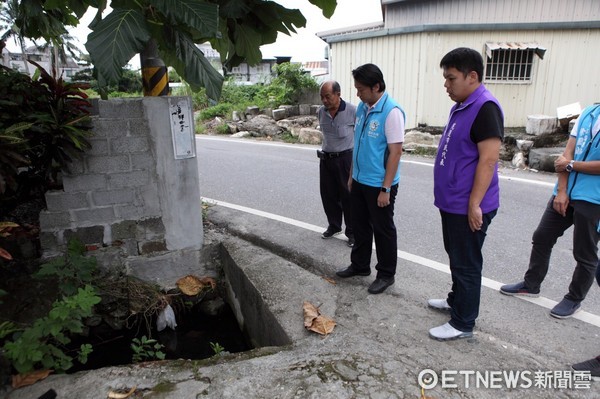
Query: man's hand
[(561, 203), (561, 163), (475, 218), (383, 199)]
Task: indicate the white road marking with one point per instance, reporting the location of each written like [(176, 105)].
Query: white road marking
[(584, 316), (495, 285), (313, 148)]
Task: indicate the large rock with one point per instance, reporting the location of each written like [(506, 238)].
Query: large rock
[(294, 125), (252, 111), (279, 114), (543, 158), (310, 136), (416, 137), (540, 124), (292, 110), (304, 109), (261, 125)]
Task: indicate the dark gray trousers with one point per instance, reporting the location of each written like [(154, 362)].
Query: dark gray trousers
[(585, 218)]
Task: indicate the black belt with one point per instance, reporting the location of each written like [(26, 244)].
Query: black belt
[(336, 154)]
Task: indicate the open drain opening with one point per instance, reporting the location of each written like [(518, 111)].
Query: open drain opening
[(200, 334), (233, 318)]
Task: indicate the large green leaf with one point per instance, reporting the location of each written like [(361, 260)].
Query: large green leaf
[(179, 51), (328, 6), (274, 17), (247, 44), (234, 8), (115, 40), (196, 14)]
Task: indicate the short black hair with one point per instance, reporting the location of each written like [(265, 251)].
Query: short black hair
[(465, 60), (369, 75)]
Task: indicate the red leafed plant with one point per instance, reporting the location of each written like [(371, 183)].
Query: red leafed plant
[(5, 228)]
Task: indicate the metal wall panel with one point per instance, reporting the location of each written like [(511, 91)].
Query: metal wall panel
[(414, 13), (410, 63)]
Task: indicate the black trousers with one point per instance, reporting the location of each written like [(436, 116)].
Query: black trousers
[(368, 221), (335, 196), (466, 264), (585, 217)]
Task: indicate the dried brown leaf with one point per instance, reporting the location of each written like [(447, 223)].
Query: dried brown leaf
[(322, 325), (192, 285), (311, 312), (23, 380), (121, 393), (330, 280)]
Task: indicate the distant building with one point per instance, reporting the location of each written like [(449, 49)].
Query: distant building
[(538, 54), (43, 58), (260, 73), (317, 69)]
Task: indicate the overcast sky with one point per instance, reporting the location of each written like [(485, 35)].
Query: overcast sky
[(305, 46), (302, 46)]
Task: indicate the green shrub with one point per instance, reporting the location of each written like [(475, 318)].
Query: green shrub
[(199, 127), (272, 96), (73, 270), (222, 110), (200, 99), (44, 120), (223, 128), (42, 346), (239, 94), (124, 94)]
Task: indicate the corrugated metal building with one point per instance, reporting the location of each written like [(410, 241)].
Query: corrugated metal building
[(539, 54)]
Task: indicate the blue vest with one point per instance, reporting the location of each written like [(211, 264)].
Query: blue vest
[(370, 144), (457, 158), (583, 186)]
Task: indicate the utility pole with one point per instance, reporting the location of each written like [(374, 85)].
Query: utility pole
[(154, 72)]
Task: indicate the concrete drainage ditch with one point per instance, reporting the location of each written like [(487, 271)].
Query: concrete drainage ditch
[(231, 319)]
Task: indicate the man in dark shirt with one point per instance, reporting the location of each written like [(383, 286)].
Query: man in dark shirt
[(466, 186)]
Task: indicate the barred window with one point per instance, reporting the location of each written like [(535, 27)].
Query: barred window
[(511, 62)]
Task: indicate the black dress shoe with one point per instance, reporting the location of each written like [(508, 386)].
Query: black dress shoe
[(350, 241), (350, 272), (330, 232), (380, 284)]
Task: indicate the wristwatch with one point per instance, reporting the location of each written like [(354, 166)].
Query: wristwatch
[(569, 167), (386, 189)]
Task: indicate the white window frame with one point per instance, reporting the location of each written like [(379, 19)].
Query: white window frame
[(511, 63)]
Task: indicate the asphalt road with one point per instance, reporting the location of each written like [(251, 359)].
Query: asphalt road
[(282, 179)]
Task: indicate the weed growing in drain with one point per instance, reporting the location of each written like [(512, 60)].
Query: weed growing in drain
[(217, 348), (146, 349)]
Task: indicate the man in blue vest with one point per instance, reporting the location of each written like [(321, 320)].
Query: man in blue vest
[(466, 186), (575, 202), (378, 137), (592, 365)]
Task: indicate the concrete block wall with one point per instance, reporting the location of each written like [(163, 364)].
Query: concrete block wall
[(129, 190)]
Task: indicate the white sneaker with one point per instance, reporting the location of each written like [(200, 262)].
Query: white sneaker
[(439, 304), (447, 332)]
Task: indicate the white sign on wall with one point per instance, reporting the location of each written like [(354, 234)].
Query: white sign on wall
[(182, 128)]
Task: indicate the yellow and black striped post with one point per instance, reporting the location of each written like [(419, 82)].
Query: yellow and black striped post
[(154, 72)]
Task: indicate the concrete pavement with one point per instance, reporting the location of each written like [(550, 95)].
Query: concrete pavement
[(378, 348)]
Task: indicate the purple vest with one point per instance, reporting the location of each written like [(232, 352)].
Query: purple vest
[(457, 158)]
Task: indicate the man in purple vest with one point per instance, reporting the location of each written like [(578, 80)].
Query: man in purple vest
[(466, 186)]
